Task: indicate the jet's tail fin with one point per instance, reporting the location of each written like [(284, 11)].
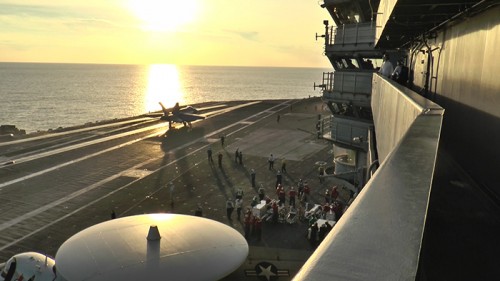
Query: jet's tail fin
[(166, 111)]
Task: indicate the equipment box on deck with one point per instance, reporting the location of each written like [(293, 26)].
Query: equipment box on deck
[(260, 209)]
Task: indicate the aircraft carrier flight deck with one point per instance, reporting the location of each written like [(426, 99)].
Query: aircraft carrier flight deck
[(55, 184)]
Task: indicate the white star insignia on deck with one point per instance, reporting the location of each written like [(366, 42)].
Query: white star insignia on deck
[(266, 271)]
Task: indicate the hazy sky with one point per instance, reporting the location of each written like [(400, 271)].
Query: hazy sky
[(185, 32)]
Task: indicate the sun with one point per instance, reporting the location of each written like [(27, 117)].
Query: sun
[(161, 15)]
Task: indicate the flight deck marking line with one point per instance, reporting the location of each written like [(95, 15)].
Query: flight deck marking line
[(95, 185), (28, 156), (76, 146), (58, 134), (113, 137), (72, 162), (64, 199)]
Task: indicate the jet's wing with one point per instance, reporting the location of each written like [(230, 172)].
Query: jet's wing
[(189, 117), (154, 114)]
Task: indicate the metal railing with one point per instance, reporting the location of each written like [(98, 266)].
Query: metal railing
[(380, 235), (327, 81), (347, 82), (352, 34)]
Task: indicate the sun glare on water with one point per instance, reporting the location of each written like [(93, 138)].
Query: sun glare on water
[(163, 86), (164, 16)]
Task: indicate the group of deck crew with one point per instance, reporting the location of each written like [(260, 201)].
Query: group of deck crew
[(277, 210)]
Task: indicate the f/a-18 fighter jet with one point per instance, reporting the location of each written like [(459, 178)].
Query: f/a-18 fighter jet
[(184, 115)]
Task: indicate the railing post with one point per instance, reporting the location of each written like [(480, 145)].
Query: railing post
[(355, 83), (357, 34), (342, 77), (331, 80), (333, 33), (343, 34)]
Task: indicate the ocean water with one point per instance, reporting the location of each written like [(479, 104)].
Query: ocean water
[(42, 96)]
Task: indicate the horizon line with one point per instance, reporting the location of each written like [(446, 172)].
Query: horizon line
[(148, 64)]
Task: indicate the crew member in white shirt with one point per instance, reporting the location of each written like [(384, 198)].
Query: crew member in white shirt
[(386, 69)]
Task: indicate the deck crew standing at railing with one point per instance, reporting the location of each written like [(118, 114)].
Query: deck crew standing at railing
[(387, 68)]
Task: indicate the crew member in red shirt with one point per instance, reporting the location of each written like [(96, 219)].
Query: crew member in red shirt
[(292, 193)]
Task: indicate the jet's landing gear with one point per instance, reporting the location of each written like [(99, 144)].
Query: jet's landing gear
[(187, 124)]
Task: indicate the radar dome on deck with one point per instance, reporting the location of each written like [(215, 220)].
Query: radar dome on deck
[(117, 250)]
